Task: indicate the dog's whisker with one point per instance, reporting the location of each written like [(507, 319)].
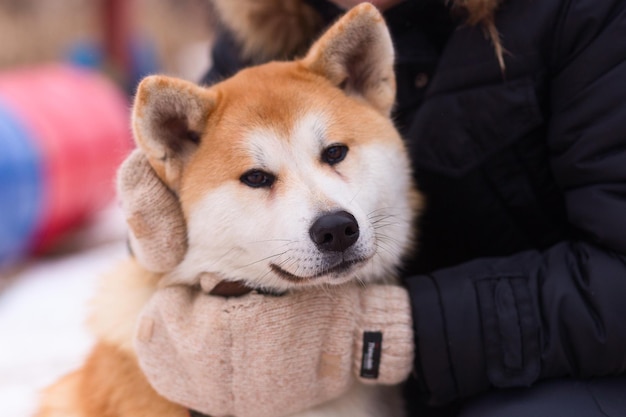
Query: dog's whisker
[(286, 241), (381, 217), (388, 221), (287, 263), (390, 225), (360, 282), (264, 259), (377, 214), (384, 225), (390, 242), (384, 247), (356, 195), (390, 210)]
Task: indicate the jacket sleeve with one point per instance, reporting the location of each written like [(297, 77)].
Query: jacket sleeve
[(508, 322)]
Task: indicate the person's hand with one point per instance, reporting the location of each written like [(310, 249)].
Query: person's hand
[(266, 356), (157, 230), (381, 5)]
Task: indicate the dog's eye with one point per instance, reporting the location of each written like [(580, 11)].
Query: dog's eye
[(334, 154), (256, 179)]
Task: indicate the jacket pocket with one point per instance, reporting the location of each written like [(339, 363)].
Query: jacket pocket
[(455, 132)]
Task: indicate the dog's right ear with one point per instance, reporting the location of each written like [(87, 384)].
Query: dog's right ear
[(169, 118)]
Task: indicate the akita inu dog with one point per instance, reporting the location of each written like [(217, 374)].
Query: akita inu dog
[(289, 175)]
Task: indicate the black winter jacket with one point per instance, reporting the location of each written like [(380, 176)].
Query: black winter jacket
[(521, 269)]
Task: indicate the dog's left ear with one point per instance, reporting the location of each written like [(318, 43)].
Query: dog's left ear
[(356, 54)]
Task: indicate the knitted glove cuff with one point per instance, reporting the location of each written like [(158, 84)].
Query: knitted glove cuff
[(384, 344), (158, 235)]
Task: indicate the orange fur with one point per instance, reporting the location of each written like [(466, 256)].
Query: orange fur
[(110, 384)]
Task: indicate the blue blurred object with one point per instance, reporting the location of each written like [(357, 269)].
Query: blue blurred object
[(86, 55), (142, 60), (20, 188)]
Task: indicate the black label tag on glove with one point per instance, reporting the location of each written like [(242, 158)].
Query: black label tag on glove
[(372, 346)]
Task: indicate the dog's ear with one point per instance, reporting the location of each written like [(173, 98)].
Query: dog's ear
[(356, 54), (169, 117)]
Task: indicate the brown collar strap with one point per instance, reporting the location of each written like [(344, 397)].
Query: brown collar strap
[(193, 413), (230, 289)]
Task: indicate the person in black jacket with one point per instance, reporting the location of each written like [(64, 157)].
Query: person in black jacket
[(515, 116)]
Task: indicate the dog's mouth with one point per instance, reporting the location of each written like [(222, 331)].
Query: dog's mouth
[(341, 268)]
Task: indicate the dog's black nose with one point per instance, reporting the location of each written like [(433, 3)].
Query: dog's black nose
[(335, 232)]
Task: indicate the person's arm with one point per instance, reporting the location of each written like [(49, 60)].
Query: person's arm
[(511, 321)]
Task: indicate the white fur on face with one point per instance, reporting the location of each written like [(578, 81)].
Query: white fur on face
[(244, 233)]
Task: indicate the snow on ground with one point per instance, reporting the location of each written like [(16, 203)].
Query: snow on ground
[(43, 307)]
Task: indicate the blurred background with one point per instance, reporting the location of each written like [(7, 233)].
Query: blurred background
[(115, 35), (68, 70)]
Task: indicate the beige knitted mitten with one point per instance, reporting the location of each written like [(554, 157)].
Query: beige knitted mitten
[(264, 356), (158, 234)]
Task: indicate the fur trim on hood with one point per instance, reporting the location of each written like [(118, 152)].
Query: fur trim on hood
[(270, 29), (277, 29)]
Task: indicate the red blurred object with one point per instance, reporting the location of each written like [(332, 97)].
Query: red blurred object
[(79, 121)]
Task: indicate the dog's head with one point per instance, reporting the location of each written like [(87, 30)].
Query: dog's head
[(289, 173)]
